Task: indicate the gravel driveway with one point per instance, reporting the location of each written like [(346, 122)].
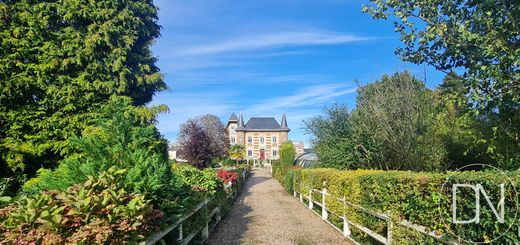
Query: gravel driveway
[(265, 214)]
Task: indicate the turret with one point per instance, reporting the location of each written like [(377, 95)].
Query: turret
[(284, 122)]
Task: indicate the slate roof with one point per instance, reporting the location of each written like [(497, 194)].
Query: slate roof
[(262, 123), (233, 117), (259, 124)]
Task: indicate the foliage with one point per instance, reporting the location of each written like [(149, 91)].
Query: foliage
[(125, 140), (461, 132), (393, 125), (195, 144), (5, 184), (285, 175), (421, 198), (227, 177), (62, 60), (200, 180), (333, 137), (100, 210), (217, 133), (480, 36), (237, 152), (400, 124), (287, 153)]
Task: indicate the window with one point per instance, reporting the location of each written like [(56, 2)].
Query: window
[(232, 140), (249, 140), (275, 153), (275, 140), (262, 140), (249, 153)]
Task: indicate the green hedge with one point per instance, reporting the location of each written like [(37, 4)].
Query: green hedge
[(414, 196)]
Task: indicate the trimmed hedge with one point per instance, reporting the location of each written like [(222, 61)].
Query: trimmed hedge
[(421, 198)]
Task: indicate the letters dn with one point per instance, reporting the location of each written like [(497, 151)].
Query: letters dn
[(481, 209)]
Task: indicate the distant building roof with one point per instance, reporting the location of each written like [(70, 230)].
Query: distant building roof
[(262, 123), (259, 123)]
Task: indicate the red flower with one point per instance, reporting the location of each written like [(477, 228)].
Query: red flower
[(227, 176)]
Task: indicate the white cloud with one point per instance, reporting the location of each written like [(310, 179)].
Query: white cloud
[(307, 97), (275, 39)]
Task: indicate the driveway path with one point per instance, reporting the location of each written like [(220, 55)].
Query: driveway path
[(265, 214)]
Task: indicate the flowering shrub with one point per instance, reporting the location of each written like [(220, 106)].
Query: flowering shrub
[(97, 211), (227, 176)]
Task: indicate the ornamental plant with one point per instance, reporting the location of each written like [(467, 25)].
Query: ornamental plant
[(200, 180), (100, 210), (227, 177)]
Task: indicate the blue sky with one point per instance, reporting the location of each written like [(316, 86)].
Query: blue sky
[(265, 57)]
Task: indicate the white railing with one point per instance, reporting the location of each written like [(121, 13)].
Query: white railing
[(347, 224), (215, 214)]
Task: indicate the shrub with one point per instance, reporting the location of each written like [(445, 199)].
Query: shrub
[(123, 138), (287, 153), (100, 210), (415, 196), (227, 177), (201, 180)]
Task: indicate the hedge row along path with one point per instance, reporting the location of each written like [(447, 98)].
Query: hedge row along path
[(265, 214)]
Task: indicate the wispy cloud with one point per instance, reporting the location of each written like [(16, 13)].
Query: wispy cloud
[(309, 96), (276, 39)]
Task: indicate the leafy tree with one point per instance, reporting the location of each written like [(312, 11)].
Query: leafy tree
[(62, 60), (393, 125), (462, 132), (217, 133), (195, 144), (482, 37), (333, 140), (287, 153), (237, 152)]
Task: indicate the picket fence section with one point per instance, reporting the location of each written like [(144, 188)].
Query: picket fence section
[(307, 200)]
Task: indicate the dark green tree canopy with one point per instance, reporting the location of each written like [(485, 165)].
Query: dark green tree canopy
[(60, 61), (482, 37)]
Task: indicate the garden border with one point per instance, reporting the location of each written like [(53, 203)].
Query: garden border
[(206, 229)]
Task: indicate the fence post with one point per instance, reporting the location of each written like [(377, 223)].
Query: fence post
[(180, 232), (324, 214), (346, 229), (205, 231), (310, 198), (389, 228)]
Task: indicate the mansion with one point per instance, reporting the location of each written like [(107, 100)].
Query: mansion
[(261, 136)]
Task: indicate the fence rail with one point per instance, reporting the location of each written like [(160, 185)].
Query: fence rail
[(347, 224)]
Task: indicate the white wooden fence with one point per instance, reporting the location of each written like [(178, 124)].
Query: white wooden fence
[(347, 224)]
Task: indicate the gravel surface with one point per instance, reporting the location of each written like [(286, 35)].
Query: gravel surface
[(265, 214)]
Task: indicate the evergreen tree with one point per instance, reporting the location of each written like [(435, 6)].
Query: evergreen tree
[(62, 60)]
